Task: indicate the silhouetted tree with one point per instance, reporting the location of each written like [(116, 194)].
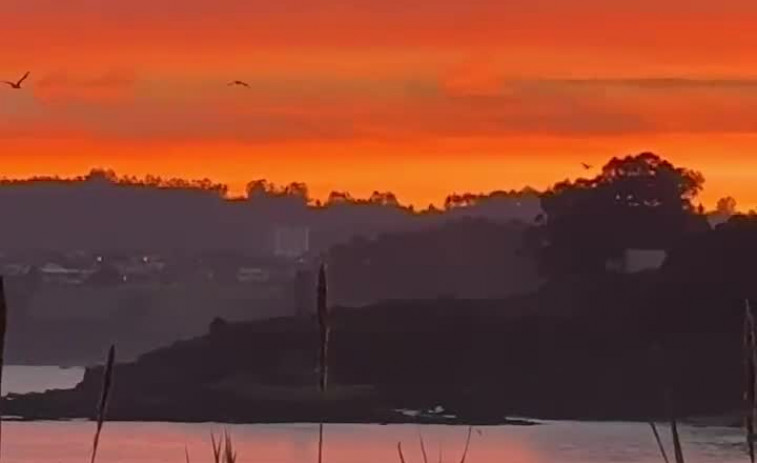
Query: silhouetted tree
[(726, 206), (258, 188), (640, 201), (102, 176), (466, 258), (218, 326), (298, 189), (457, 200), (338, 197), (708, 275), (383, 199)]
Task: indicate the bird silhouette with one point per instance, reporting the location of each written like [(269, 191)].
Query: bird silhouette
[(17, 85), (239, 83), (586, 166)]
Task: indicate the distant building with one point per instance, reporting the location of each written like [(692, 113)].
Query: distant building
[(252, 275), (53, 272), (291, 242), (637, 260)]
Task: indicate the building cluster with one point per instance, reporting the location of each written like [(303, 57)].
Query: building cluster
[(159, 267)]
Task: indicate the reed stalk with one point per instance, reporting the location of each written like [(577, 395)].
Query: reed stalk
[(467, 445), (325, 329), (223, 449), (423, 447), (3, 327), (750, 376), (104, 396), (677, 449), (399, 452), (659, 442)]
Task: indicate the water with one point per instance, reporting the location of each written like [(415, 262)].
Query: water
[(20, 379), (558, 442), (69, 442)]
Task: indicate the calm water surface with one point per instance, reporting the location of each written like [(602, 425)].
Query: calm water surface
[(20, 379), (558, 442)]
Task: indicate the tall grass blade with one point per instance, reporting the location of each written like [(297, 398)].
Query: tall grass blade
[(186, 454), (423, 446), (750, 367), (323, 324), (104, 396), (659, 442), (467, 445), (399, 452), (229, 454), (3, 327), (676, 441), (320, 442), (441, 456), (216, 448)]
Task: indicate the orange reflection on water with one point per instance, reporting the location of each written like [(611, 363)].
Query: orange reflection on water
[(69, 442)]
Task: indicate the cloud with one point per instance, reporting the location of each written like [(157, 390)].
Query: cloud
[(582, 107), (657, 83), (118, 106), (473, 78), (61, 87)]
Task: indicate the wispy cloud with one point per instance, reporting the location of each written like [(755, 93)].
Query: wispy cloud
[(119, 106), (65, 87)]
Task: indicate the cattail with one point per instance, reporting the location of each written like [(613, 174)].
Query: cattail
[(323, 324), (750, 365), (320, 442), (3, 324), (105, 395)]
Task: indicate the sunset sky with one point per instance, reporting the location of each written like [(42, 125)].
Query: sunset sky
[(422, 98)]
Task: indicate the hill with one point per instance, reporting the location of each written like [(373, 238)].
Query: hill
[(579, 349)]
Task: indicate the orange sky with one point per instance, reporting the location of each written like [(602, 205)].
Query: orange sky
[(422, 98)]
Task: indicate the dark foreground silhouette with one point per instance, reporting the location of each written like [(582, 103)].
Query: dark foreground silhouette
[(633, 339)]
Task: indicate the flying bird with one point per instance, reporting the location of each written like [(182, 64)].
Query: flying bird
[(239, 83), (17, 85), (586, 166)]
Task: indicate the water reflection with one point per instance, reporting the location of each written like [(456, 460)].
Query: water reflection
[(553, 442), (21, 378)]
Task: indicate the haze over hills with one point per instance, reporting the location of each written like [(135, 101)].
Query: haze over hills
[(124, 259), (103, 211), (146, 262)]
